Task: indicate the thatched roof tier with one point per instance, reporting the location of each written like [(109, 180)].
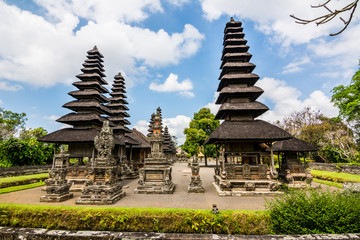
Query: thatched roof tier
[(235, 56), (118, 91), (140, 138), (95, 57), (119, 112), (293, 145), (233, 29), (89, 106), (93, 63), (232, 35), (234, 41), (119, 102), (248, 79), (233, 23), (117, 96), (91, 77), (235, 48), (93, 69), (89, 94), (115, 106), (130, 140), (120, 119), (90, 85), (253, 109), (255, 131), (76, 119), (251, 93), (95, 51), (70, 135), (120, 129), (247, 67)]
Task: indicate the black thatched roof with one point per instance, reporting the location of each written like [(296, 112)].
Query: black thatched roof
[(140, 138), (251, 92), (293, 145), (70, 135), (253, 109), (257, 131), (90, 85)]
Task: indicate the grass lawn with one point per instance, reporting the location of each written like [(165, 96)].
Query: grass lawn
[(23, 178), (329, 183), (335, 176), (21, 187)]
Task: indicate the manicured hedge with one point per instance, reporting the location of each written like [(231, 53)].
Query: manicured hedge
[(134, 219)]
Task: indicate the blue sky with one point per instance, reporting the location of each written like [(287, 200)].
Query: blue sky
[(169, 52)]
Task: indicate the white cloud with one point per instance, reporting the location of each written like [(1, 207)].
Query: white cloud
[(44, 52), (287, 99), (171, 84), (212, 106), (296, 65), (51, 117), (1, 101), (178, 3), (175, 125), (8, 87)]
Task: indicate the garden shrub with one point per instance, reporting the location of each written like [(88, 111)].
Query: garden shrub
[(315, 212), (134, 219)]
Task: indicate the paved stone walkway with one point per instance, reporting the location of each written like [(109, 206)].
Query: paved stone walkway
[(180, 199)]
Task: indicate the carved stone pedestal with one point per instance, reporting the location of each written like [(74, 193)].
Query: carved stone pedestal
[(57, 187), (195, 183), (103, 186)]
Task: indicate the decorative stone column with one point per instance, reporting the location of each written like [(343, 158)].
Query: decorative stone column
[(104, 185), (57, 187), (195, 183)]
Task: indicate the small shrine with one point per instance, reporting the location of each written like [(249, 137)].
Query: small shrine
[(242, 168), (183, 157), (195, 185), (104, 185), (57, 187), (291, 169), (155, 177), (169, 147)]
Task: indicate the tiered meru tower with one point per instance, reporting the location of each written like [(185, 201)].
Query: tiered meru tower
[(88, 109), (117, 116), (242, 168), (169, 148)]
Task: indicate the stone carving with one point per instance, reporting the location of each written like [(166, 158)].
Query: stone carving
[(195, 185), (57, 187), (104, 184)]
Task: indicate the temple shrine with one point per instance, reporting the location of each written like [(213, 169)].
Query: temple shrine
[(241, 138), (155, 177)]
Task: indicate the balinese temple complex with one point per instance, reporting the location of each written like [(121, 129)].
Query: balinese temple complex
[(242, 138)]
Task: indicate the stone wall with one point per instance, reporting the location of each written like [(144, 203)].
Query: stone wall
[(24, 170), (353, 169), (45, 234)]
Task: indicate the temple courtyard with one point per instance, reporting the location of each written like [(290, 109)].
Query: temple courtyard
[(181, 174)]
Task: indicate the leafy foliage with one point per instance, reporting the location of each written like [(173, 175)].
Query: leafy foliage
[(334, 139), (22, 180), (200, 127), (21, 187), (335, 176), (314, 212), (26, 150), (347, 99), (10, 123)]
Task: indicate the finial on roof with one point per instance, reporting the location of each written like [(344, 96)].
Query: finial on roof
[(95, 48), (232, 19), (119, 74)]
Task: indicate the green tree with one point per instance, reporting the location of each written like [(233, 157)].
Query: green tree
[(200, 127), (347, 99), (10, 123)]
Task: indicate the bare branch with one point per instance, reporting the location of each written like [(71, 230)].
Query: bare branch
[(328, 17)]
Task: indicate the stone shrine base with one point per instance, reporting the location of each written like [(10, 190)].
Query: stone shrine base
[(56, 197), (196, 189), (238, 192), (148, 188), (100, 195)]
